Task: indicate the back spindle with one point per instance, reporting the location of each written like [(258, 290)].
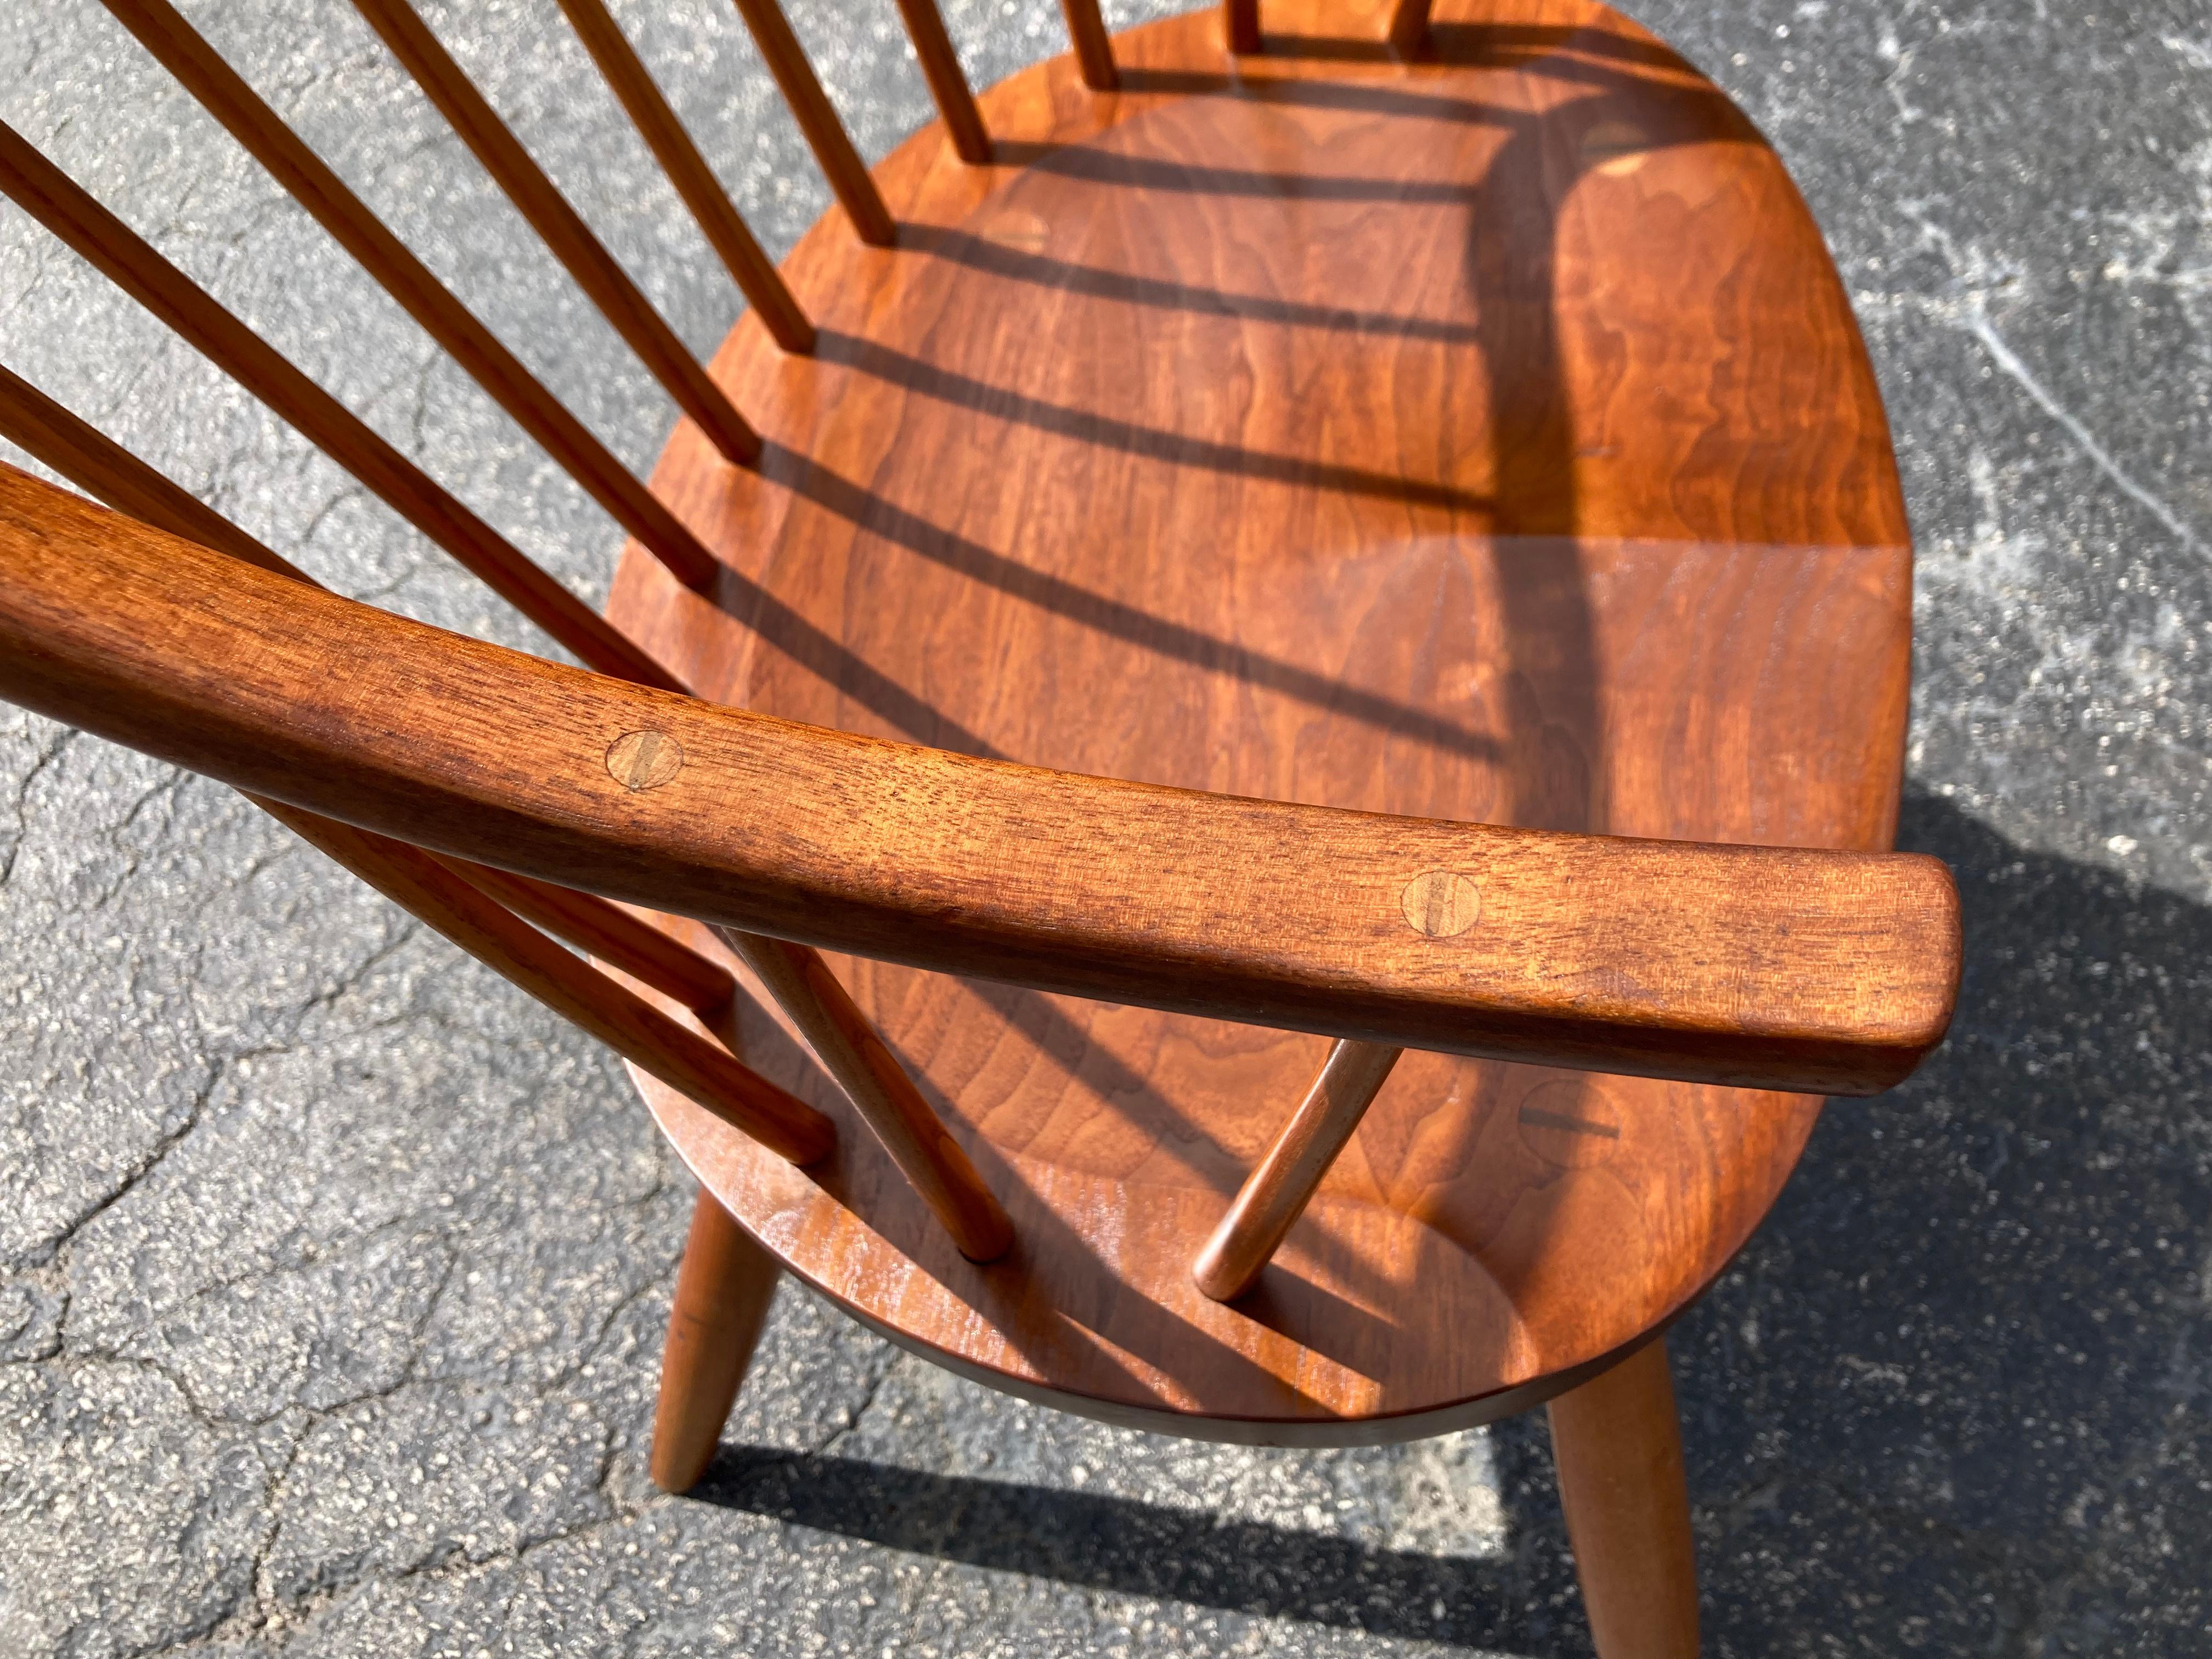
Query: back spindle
[(753, 271), (818, 119), (1239, 22), (1276, 1193), (855, 1054), (224, 93), (948, 81), (1409, 26), (72, 214), (1094, 48), (562, 228)]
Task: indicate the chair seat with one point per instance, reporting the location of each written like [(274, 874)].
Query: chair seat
[(1485, 437)]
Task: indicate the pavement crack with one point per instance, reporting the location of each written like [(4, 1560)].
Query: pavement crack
[(1976, 321), (1969, 313), (144, 1166), (853, 1419), (47, 757)]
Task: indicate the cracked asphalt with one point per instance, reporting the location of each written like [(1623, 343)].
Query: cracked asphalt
[(332, 1273)]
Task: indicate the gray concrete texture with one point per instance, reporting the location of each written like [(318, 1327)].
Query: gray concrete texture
[(335, 1271)]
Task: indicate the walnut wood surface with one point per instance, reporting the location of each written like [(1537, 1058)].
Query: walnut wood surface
[(1487, 436), (825, 134), (1082, 885), (1276, 1193), (72, 213), (1537, 477), (225, 95), (1714, 963), (582, 254), (723, 1292), (1409, 26), (695, 181), (1619, 1447)]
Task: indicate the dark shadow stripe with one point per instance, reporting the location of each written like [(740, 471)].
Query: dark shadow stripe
[(1131, 1548)]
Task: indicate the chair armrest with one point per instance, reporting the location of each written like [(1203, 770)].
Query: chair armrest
[(1762, 967)]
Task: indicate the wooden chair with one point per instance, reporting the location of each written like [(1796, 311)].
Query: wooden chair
[(1316, 604)]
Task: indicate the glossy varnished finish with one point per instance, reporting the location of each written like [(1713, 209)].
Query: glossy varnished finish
[(1276, 1193), (1486, 436), (1758, 967)]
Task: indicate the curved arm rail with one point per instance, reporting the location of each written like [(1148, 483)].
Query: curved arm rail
[(1779, 967)]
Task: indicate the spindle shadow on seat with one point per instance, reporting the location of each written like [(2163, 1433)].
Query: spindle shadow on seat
[(1486, 437), (1460, 421)]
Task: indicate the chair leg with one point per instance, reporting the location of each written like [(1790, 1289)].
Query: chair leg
[(1619, 1446), (722, 1294)]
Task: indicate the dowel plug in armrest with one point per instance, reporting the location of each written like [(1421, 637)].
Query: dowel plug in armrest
[(1766, 967)]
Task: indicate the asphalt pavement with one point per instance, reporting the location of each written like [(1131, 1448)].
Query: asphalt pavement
[(332, 1272)]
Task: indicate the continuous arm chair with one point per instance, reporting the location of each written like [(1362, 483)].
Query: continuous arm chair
[(1313, 609)]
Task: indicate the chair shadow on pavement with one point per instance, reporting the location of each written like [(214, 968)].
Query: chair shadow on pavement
[(1946, 1399)]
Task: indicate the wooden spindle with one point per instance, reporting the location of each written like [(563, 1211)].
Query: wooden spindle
[(225, 95), (102, 468), (58, 202), (1240, 21), (1279, 1189), (99, 465), (587, 259), (818, 119), (860, 1064), (948, 81), (608, 932), (754, 272), (686, 1061), (1094, 47), (1409, 26)]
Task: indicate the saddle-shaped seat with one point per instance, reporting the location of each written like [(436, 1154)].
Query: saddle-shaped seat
[(1483, 437)]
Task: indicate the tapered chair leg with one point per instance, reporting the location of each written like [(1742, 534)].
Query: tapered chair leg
[(1619, 1445), (722, 1294)]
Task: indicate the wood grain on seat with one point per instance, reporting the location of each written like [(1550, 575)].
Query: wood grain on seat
[(1484, 437)]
